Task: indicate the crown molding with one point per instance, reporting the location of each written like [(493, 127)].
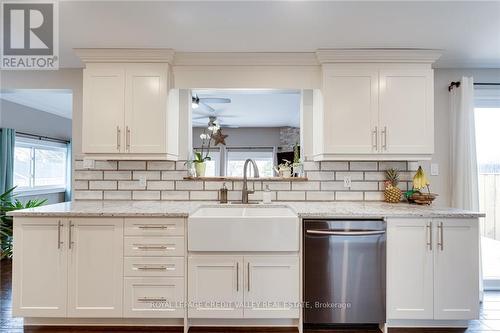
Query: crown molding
[(428, 56), (245, 59), (89, 55)]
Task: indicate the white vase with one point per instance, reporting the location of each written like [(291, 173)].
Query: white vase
[(200, 169)]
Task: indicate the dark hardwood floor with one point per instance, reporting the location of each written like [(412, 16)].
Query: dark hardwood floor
[(489, 321)]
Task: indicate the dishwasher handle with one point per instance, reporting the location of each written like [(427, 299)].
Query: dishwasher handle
[(345, 233)]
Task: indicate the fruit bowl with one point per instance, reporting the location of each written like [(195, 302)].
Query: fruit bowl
[(422, 198)]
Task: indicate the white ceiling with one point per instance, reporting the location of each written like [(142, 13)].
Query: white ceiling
[(58, 102), (468, 32), (251, 108)]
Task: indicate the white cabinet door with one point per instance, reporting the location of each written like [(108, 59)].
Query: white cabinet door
[(406, 111), (146, 108), (456, 269), (95, 277), (39, 267), (103, 108), (409, 269), (271, 286), (215, 286), (350, 111)]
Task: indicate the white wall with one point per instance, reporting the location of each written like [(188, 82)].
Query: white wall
[(442, 78), (33, 121)]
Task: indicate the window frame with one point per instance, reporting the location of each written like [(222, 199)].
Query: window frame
[(34, 144)]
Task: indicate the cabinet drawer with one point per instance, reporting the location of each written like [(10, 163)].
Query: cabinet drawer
[(154, 246), (151, 266), (154, 227), (154, 297)]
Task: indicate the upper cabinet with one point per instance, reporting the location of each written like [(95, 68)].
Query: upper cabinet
[(374, 105), (129, 108)]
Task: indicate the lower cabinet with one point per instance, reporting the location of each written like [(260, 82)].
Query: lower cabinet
[(260, 286), (432, 269), (68, 268)]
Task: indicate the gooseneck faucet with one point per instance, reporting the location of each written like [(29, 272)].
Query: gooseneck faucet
[(244, 191)]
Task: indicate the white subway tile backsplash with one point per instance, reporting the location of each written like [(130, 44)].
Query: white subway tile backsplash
[(148, 175), (320, 175), (174, 195), (118, 175), (132, 165), (103, 185), (161, 165), (87, 175), (320, 196), (117, 195), (119, 180), (88, 195), (349, 196), (335, 166), (160, 185), (146, 195), (363, 166), (291, 196)]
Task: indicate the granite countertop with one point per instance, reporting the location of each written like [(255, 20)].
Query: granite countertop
[(184, 208)]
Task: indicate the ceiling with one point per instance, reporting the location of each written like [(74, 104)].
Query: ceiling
[(467, 32), (58, 102), (251, 108)]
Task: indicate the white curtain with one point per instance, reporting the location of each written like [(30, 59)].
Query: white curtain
[(464, 173)]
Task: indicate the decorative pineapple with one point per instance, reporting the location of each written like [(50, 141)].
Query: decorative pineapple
[(392, 193)]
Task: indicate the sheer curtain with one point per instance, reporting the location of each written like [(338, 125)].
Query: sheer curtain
[(464, 181)]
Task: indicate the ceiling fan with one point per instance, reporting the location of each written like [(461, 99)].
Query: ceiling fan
[(196, 102)]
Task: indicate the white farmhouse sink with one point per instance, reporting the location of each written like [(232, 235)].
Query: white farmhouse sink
[(243, 228)]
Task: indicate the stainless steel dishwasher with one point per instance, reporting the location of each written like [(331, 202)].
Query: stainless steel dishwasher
[(344, 271)]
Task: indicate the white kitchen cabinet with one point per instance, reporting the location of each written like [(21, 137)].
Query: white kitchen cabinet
[(350, 114), (409, 269), (428, 261), (103, 105), (215, 286), (40, 267), (271, 286), (456, 267), (374, 111), (126, 112), (95, 276), (406, 111)]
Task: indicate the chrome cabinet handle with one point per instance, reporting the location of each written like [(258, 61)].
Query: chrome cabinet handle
[(143, 226), (128, 138), (153, 247), (384, 139), (59, 225), (345, 233), (429, 235), (70, 240), (153, 268), (152, 299), (118, 137), (237, 276), (375, 133), (248, 276), (441, 237)]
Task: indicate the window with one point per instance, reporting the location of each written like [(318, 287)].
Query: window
[(39, 165), (263, 157)]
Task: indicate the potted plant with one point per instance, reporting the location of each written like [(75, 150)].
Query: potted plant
[(213, 132), (8, 203), (298, 168), (284, 170)]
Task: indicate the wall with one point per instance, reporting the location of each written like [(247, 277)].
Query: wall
[(245, 136), (33, 121)]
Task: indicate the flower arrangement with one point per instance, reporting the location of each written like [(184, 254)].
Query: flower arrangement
[(284, 169), (213, 134)]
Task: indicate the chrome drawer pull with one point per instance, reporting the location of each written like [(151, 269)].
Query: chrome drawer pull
[(142, 226), (152, 299), (152, 268), (154, 247)]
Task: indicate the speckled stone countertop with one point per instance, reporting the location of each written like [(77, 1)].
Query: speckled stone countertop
[(335, 209)]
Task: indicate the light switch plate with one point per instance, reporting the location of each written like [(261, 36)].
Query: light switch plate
[(347, 182), (434, 169), (142, 180), (88, 163)]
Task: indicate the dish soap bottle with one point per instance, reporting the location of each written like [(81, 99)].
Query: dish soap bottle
[(266, 195), (223, 194)]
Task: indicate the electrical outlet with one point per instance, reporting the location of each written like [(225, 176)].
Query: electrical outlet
[(347, 181), (88, 163), (434, 169), (142, 181)]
